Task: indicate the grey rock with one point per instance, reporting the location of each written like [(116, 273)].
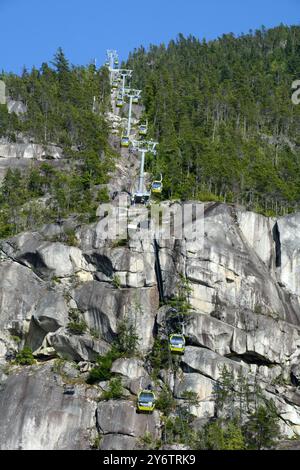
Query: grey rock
[(70, 370), (121, 417), (15, 106), (104, 306), (77, 347), (35, 413), (131, 368), (176, 447), (30, 151), (289, 262), (20, 291), (52, 259), (51, 312), (118, 442), (199, 384), (209, 363), (136, 385), (295, 372)]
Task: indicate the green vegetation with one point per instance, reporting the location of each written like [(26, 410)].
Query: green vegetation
[(244, 418), (115, 390), (124, 345), (181, 302), (127, 340), (101, 371), (178, 429), (59, 100), (94, 333), (221, 436), (16, 339), (165, 401), (148, 442), (116, 281), (261, 430), (160, 356), (77, 325), (120, 242), (96, 442), (69, 237), (223, 115), (25, 357)]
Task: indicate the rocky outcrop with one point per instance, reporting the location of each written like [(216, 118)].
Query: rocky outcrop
[(104, 306), (36, 413), (131, 368), (288, 245), (208, 363), (121, 418), (245, 299), (20, 291), (30, 151), (16, 106), (75, 347)]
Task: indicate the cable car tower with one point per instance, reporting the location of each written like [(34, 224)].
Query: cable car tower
[(124, 73), (112, 60), (141, 196), (132, 94)]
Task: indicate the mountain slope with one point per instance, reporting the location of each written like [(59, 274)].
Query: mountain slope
[(223, 114)]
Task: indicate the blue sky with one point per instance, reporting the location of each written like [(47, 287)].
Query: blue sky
[(32, 30)]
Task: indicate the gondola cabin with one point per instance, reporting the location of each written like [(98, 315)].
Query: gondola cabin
[(177, 343), (124, 141), (146, 401), (143, 130), (156, 187)]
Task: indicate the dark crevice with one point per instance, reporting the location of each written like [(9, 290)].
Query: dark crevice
[(190, 370), (203, 283), (276, 238), (34, 259), (101, 262), (158, 273), (251, 358)]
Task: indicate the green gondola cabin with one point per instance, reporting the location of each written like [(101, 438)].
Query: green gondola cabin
[(177, 343), (146, 401)]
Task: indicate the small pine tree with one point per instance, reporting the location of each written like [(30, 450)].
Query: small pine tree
[(214, 436), (233, 437), (115, 390), (262, 428), (25, 357), (127, 339), (165, 401)]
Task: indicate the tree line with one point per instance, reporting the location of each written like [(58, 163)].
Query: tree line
[(223, 114)]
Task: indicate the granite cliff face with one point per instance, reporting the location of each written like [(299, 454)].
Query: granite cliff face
[(245, 298)]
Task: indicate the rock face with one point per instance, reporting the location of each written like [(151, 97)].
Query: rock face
[(245, 297), (30, 151), (20, 290), (37, 414), (122, 419), (104, 306), (17, 107), (21, 154), (288, 243)]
